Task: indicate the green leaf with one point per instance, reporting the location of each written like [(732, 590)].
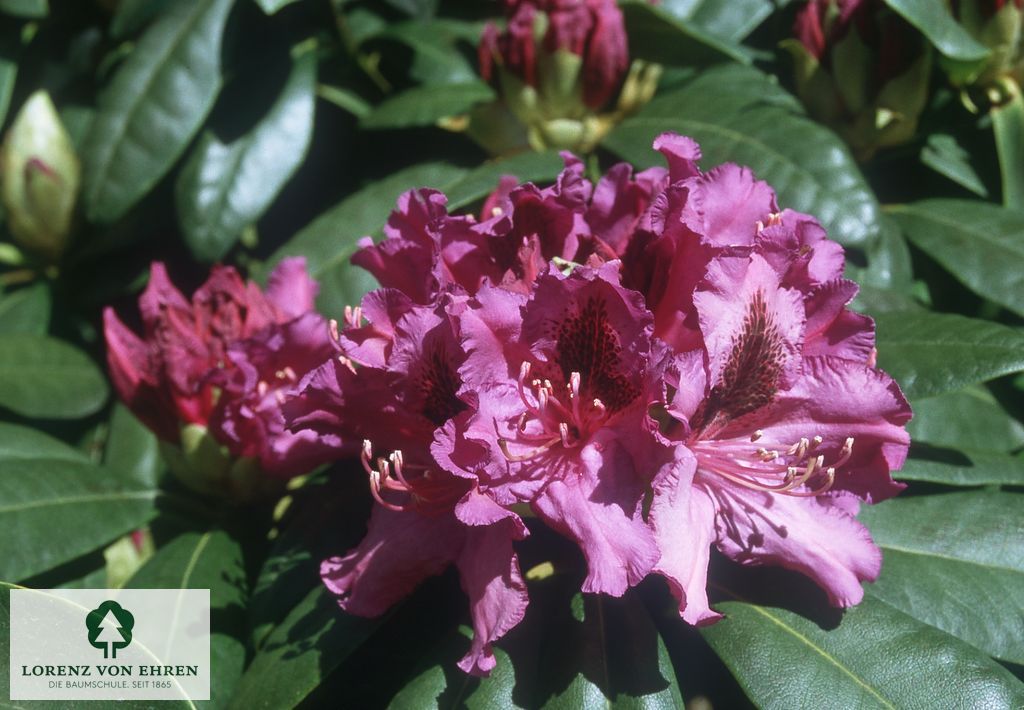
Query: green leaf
[(94, 505), (435, 46), (657, 35), (22, 442), (330, 240), (935, 22), (26, 311), (425, 105), (943, 154), (28, 9), (130, 16), (961, 468), (731, 21), (224, 188), (956, 561), (477, 184), (1008, 127), (931, 353), (132, 448), (153, 106), (977, 242), (272, 6), (210, 560), (878, 657), (971, 419), (738, 114), (8, 77), (311, 642), (616, 656), (44, 377), (444, 685)]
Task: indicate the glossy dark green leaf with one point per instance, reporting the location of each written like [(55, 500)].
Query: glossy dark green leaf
[(131, 16), (616, 655), (54, 509), (435, 46), (943, 154), (312, 641), (738, 114), (8, 77), (935, 22), (971, 419), (22, 442), (425, 105), (224, 188), (210, 560), (931, 353), (656, 35), (954, 467), (1008, 127), (329, 241), (979, 243), (731, 21), (878, 657), (26, 311), (46, 378), (272, 6), (132, 448), (477, 184), (443, 685), (28, 9), (326, 516), (153, 106), (956, 561)]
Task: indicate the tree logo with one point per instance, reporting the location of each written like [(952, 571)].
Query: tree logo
[(110, 627)]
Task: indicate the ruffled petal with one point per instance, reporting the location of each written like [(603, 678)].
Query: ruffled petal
[(490, 576), (683, 520), (599, 508), (400, 550), (813, 536)]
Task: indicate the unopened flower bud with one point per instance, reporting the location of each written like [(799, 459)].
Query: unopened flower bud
[(563, 70), (39, 178), (862, 70), (999, 26)]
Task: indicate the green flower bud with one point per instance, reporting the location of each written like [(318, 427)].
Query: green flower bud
[(205, 466), (40, 176)]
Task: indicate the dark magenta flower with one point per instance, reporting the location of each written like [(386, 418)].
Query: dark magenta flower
[(219, 364), (652, 366), (395, 387)]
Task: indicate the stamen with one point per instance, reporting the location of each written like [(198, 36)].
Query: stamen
[(532, 453)]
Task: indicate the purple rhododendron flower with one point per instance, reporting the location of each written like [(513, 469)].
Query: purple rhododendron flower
[(223, 359), (653, 366), (395, 386)]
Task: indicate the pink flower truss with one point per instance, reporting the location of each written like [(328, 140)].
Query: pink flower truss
[(671, 337), (224, 360)]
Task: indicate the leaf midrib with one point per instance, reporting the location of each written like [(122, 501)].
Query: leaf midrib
[(939, 555), (136, 100), (824, 654), (73, 500)]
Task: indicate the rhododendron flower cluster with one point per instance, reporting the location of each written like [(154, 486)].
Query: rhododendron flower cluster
[(210, 374), (652, 365)]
